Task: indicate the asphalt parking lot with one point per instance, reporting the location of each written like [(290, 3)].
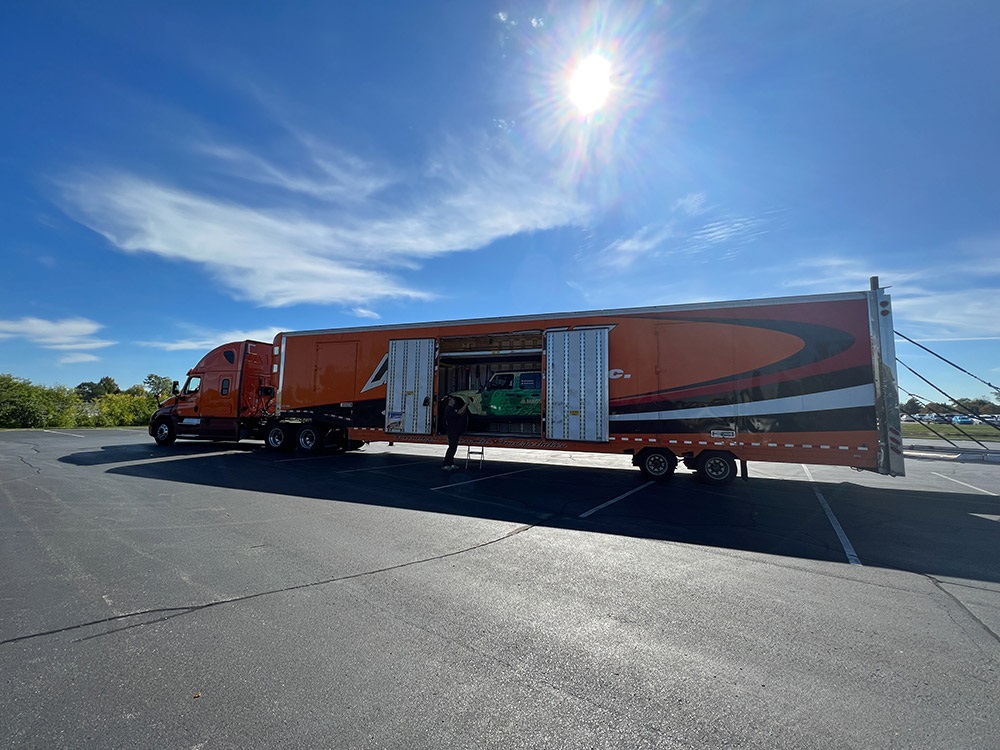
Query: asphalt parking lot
[(227, 596)]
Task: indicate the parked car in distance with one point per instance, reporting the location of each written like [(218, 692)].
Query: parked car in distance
[(962, 419)]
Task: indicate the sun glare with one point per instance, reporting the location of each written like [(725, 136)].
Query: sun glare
[(590, 84)]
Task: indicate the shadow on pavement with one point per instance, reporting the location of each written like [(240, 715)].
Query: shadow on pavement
[(935, 533)]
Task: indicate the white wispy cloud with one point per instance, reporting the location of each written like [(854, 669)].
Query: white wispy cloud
[(693, 228), (69, 334), (932, 302), (347, 244), (326, 173), (202, 340), (79, 358), (649, 240), (691, 204)]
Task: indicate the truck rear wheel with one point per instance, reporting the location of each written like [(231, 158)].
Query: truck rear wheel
[(279, 437), (716, 467), (164, 432), (656, 463), (310, 438)]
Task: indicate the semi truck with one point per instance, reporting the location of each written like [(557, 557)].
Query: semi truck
[(802, 379)]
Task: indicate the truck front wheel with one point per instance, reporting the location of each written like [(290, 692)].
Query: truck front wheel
[(716, 467), (164, 432), (656, 463)]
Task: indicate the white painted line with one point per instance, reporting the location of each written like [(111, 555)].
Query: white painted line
[(615, 500), (970, 486), (67, 434), (852, 556), (481, 479)]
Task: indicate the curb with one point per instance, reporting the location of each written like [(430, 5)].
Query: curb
[(951, 454)]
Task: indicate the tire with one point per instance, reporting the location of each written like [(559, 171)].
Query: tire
[(164, 432), (310, 438), (716, 467), (657, 464), (279, 437)]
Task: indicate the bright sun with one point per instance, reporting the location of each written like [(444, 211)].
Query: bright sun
[(590, 84)]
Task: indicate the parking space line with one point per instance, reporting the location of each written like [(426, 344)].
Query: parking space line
[(852, 556), (481, 479), (616, 499), (970, 486), (67, 434)]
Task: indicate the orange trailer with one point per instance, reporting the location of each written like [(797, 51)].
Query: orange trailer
[(807, 379)]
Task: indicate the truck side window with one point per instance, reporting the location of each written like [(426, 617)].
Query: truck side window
[(193, 384), (531, 381), (229, 355), (224, 388), (502, 381)]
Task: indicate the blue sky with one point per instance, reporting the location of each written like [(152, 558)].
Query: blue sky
[(174, 175)]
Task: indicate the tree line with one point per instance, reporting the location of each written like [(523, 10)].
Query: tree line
[(982, 405), (102, 404)]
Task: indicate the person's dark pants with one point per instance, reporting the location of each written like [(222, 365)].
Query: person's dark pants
[(449, 455)]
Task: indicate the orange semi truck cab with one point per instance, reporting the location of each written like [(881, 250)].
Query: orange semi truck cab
[(227, 396)]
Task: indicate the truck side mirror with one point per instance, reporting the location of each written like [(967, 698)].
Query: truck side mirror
[(175, 388)]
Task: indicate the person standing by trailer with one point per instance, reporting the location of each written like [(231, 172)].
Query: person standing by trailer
[(456, 420)]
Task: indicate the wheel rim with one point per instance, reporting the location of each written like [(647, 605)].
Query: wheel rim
[(307, 439), (163, 431), (717, 468), (276, 437), (656, 464)]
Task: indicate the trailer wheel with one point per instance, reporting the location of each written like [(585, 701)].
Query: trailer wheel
[(716, 467), (310, 438), (279, 438), (164, 432), (657, 463)]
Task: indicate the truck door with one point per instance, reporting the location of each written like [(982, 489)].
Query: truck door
[(576, 385), (188, 410), (410, 386)]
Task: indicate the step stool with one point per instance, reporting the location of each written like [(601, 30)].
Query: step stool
[(473, 451)]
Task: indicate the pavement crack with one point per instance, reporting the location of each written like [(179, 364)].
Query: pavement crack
[(168, 613), (26, 462), (940, 585)]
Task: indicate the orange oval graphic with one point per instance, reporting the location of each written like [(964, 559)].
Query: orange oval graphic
[(691, 353)]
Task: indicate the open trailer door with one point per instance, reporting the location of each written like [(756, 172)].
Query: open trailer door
[(576, 385), (410, 386)]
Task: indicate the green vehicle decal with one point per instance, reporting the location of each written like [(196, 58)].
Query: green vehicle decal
[(507, 394)]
